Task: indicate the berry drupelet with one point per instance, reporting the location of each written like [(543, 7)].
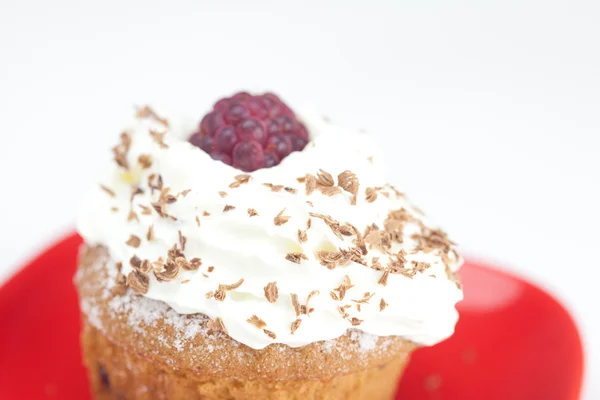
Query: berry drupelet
[(250, 132)]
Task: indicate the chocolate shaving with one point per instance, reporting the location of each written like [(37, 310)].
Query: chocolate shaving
[(233, 285), (420, 266), (205, 214), (434, 239), (182, 240), (305, 309), (147, 112), (216, 325), (221, 292), (384, 278), (198, 221), (290, 190), (371, 194), (355, 321), (257, 322), (145, 266), (330, 190), (295, 325), (382, 304), (340, 291), (302, 237), (185, 281), (133, 241), (169, 273), (324, 178), (138, 282), (335, 226), (270, 334), (155, 182), (329, 259), (145, 160), (252, 212), (120, 151), (295, 303), (114, 209), (145, 209), (228, 208), (184, 193), (342, 310), (365, 299), (150, 233), (311, 184), (120, 287), (274, 188), (132, 216), (281, 219), (348, 181), (135, 262), (194, 264), (108, 190), (271, 292), (239, 180), (164, 199), (400, 194), (380, 240), (159, 138), (296, 257), (346, 230), (223, 194), (302, 234)]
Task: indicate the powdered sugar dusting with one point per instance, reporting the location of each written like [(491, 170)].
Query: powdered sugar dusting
[(140, 313)]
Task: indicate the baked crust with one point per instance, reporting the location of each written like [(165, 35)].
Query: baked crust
[(138, 342)]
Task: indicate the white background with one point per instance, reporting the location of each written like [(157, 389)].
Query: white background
[(488, 110)]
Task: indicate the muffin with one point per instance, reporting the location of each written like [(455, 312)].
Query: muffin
[(258, 255)]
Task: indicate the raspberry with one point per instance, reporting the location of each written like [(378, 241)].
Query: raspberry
[(250, 132)]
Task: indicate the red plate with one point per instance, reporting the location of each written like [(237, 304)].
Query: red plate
[(513, 340)]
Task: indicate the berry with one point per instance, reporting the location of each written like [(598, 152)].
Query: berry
[(221, 157), (280, 145), (271, 159), (211, 122), (248, 156), (250, 132), (298, 143), (225, 139), (251, 129)]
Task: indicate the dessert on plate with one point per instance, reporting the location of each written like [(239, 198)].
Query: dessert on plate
[(259, 254)]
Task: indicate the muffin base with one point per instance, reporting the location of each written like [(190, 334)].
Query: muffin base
[(139, 348), (121, 374)]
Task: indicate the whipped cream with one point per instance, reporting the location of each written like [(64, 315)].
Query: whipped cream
[(234, 245)]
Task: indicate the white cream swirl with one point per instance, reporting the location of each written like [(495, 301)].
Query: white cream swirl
[(420, 308)]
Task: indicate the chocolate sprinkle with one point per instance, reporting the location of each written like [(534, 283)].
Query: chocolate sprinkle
[(257, 322), (271, 292), (270, 334), (296, 257), (110, 192), (281, 219), (295, 325), (138, 282), (133, 241)]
